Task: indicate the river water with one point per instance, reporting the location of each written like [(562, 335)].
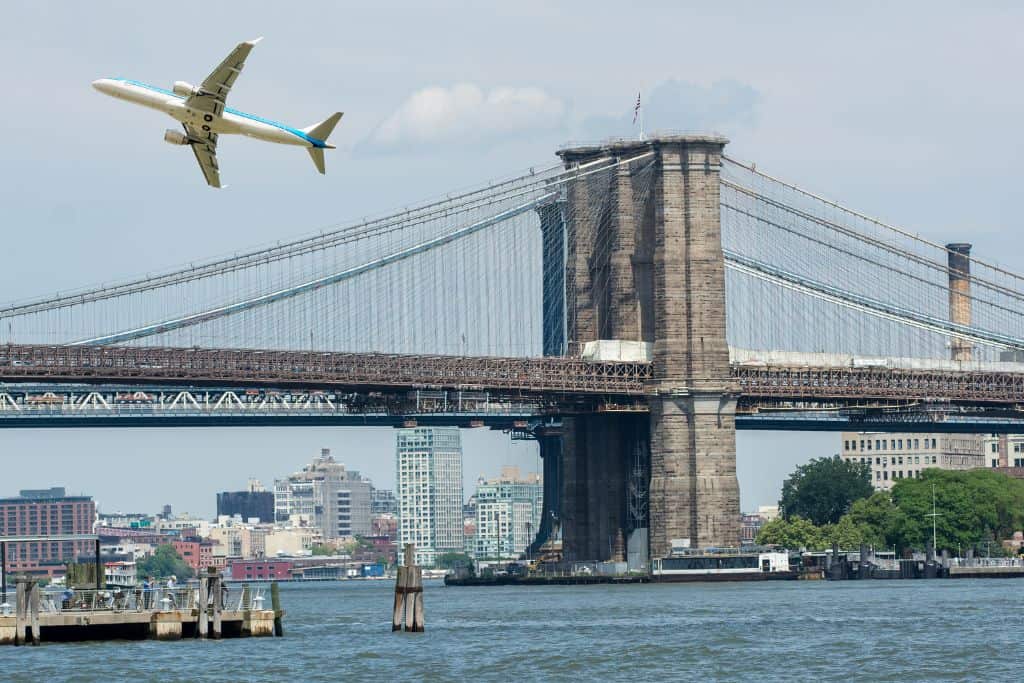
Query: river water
[(872, 630)]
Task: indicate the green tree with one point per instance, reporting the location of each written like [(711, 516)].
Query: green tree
[(847, 533), (881, 522), (976, 508), (822, 490), (450, 560), (795, 533), (164, 562)]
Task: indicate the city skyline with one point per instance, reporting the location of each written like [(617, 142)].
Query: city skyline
[(884, 116), (484, 456)]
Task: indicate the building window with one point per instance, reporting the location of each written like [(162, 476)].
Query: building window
[(862, 444), (877, 447), (933, 443), (885, 475), (934, 459), (869, 444), (995, 463), (995, 448), (917, 443), (878, 475), (878, 461)]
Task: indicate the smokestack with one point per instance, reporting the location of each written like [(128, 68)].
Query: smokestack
[(959, 295)]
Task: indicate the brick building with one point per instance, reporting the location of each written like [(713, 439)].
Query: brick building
[(46, 512), (197, 553), (260, 570)]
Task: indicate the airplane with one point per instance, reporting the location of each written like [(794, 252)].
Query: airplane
[(204, 115)]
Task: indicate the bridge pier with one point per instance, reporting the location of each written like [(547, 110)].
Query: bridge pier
[(597, 459), (648, 267)]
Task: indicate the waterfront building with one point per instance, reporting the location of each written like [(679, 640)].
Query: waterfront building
[(121, 574), (383, 502), (508, 510), (1004, 451), (260, 570), (197, 553), (901, 456), (750, 525), (291, 541), (428, 461), (46, 512), (183, 525), (233, 538), (335, 499), (253, 503)]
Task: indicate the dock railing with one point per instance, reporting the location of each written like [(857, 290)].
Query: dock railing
[(986, 562), (236, 597)]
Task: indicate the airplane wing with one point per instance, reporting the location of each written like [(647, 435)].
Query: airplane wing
[(214, 91), (204, 146)]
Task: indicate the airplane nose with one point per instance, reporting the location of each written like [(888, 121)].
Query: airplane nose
[(103, 85)]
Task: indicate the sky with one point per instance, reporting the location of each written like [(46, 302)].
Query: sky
[(907, 111)]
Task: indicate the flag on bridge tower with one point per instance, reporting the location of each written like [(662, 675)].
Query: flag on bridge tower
[(638, 114)]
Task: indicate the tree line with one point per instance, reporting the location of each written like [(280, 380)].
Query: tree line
[(830, 500)]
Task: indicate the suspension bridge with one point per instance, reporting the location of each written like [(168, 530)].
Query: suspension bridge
[(629, 307)]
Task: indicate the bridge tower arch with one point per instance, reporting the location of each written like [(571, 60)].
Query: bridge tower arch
[(650, 269)]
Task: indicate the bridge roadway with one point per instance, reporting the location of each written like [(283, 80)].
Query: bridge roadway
[(47, 386)]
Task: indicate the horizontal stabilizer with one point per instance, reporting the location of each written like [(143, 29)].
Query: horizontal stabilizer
[(317, 154)]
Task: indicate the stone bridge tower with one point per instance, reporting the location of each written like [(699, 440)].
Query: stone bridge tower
[(642, 262)]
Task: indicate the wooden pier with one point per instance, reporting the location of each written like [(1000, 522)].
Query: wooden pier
[(132, 614)]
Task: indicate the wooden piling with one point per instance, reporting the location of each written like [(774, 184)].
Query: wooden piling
[(275, 604), (397, 611), (33, 611), (21, 611), (417, 599), (408, 612), (202, 623), (218, 603)]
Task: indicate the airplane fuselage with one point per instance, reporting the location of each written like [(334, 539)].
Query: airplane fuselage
[(231, 122)]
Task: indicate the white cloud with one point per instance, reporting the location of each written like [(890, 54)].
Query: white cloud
[(466, 111)]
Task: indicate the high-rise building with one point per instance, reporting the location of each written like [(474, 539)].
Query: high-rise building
[(333, 499), (429, 491), (253, 503), (904, 456), (383, 502), (508, 510), (41, 513)]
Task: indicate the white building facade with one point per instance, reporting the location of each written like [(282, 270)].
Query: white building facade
[(508, 510), (905, 456), (428, 475), (335, 500)]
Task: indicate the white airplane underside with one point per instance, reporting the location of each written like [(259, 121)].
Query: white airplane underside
[(204, 115)]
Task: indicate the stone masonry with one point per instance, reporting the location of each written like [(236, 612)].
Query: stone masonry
[(660, 279)]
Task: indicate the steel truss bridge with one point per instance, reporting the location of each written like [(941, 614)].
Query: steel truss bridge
[(142, 386), (460, 299)]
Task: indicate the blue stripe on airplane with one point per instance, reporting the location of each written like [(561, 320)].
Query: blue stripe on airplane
[(252, 117)]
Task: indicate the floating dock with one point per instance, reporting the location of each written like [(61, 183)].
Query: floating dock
[(207, 609)]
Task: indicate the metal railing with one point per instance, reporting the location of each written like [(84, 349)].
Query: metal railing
[(58, 600)]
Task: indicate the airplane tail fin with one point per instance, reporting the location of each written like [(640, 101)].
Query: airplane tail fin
[(317, 155), (321, 131)]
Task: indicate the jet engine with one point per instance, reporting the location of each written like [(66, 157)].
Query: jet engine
[(184, 89), (175, 137)]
